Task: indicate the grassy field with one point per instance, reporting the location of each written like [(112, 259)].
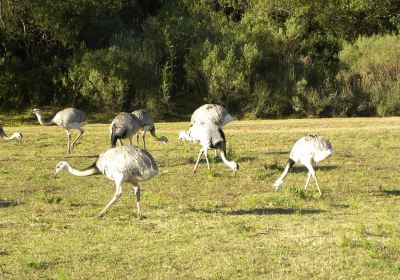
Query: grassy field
[(208, 225)]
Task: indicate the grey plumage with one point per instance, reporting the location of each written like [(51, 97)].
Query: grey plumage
[(211, 113), (208, 114), (122, 164), (147, 124), (123, 126), (15, 136), (210, 136), (69, 118), (307, 150)]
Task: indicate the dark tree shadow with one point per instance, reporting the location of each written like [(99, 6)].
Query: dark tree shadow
[(8, 203)]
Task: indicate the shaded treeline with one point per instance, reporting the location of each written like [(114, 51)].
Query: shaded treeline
[(258, 58)]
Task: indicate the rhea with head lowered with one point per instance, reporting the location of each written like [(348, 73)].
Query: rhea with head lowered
[(15, 136), (208, 113), (67, 119), (210, 136), (147, 124), (211, 112), (123, 126), (122, 164), (307, 150)]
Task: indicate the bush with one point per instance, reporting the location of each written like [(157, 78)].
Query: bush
[(371, 70)]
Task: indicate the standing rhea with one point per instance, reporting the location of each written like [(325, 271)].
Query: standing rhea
[(123, 126), (309, 149), (147, 124), (122, 164), (210, 136), (15, 136), (67, 119)]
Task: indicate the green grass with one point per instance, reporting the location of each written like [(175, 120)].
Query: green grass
[(208, 225)]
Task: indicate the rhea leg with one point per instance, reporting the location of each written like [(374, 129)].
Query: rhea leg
[(69, 141), (136, 188), (81, 131), (118, 191), (120, 142), (198, 159), (308, 180), (143, 137), (137, 138), (312, 172), (206, 155)]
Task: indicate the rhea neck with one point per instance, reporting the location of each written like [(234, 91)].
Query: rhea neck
[(231, 164), (40, 119), (161, 139), (5, 137), (92, 170)]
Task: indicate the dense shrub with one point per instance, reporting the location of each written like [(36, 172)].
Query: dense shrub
[(258, 58), (371, 70)]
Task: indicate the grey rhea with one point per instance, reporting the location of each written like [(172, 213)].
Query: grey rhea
[(123, 126), (210, 136), (147, 124), (69, 118), (208, 114), (308, 150), (211, 112), (122, 164), (15, 136)]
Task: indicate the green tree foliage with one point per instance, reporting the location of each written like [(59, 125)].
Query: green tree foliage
[(258, 58), (371, 69)]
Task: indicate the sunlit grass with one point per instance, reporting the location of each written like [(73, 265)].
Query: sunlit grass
[(208, 225)]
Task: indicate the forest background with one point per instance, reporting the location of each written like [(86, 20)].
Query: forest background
[(260, 59)]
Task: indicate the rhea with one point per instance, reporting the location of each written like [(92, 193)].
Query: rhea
[(67, 119), (208, 113), (147, 124), (15, 136), (211, 112), (123, 126), (210, 136), (308, 150), (122, 164)]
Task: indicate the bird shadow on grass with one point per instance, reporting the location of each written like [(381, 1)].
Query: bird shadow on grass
[(390, 192), (297, 168), (218, 159), (273, 211), (81, 156), (302, 169), (4, 203), (278, 153), (261, 211)]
